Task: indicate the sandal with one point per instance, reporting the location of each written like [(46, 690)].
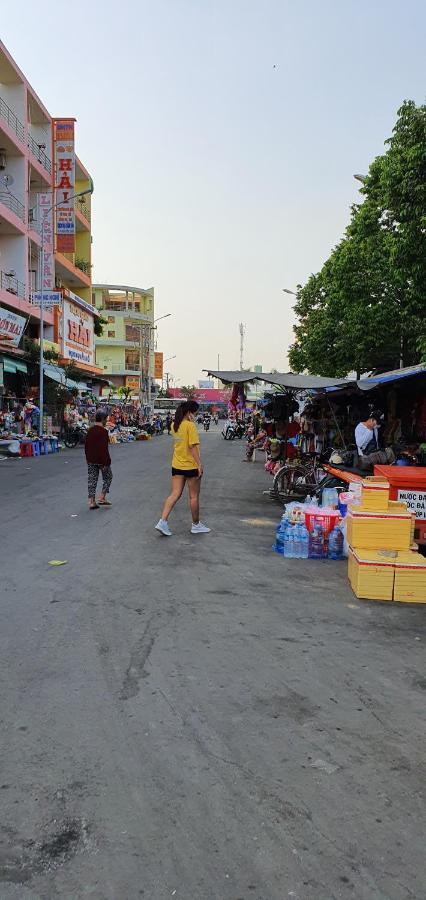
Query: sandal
[(104, 503), (95, 506)]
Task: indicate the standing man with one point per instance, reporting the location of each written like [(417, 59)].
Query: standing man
[(98, 460), (169, 421)]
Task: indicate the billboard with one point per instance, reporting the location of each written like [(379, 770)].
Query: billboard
[(11, 328), (45, 217), (78, 331), (206, 395), (134, 383), (158, 365), (63, 143)]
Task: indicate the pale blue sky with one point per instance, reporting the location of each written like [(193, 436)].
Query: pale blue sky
[(220, 179)]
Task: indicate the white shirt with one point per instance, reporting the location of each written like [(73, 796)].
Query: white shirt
[(363, 436)]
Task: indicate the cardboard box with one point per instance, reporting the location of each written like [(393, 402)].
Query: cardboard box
[(372, 530), (375, 493)]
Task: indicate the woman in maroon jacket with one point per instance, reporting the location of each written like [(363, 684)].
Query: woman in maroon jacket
[(98, 460)]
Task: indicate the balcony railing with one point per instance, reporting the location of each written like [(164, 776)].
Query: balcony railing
[(13, 204), (84, 209), (12, 120), (39, 154), (12, 284), (16, 125)]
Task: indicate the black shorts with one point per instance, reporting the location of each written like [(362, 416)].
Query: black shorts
[(187, 473)]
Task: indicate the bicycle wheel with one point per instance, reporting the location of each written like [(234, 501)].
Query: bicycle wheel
[(291, 483), (71, 439)]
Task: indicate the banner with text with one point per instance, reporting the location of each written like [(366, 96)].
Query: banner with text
[(11, 328), (45, 217), (63, 141), (77, 333), (158, 365)]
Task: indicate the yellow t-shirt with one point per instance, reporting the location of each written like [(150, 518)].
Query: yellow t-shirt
[(185, 437)]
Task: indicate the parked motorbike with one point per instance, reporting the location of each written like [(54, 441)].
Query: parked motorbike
[(75, 435)]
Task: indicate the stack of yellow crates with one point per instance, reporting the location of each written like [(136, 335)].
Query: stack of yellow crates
[(380, 532)]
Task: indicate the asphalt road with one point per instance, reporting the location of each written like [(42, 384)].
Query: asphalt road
[(196, 717)]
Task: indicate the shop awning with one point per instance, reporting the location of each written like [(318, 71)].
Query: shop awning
[(367, 384), (286, 379), (12, 366), (55, 373)]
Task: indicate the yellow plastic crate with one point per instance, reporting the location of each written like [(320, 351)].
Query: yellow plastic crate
[(410, 578), (371, 574), (375, 493), (368, 530)]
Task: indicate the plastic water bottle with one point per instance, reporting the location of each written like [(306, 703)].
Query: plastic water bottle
[(335, 544), (297, 544), (288, 542), (316, 542), (279, 537), (304, 542)]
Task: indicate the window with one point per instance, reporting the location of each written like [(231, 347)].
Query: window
[(133, 360), (133, 333), (111, 334), (111, 319)]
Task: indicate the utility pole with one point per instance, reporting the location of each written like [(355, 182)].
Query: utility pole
[(242, 330)]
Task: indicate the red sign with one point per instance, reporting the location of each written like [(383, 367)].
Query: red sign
[(203, 395), (63, 138)]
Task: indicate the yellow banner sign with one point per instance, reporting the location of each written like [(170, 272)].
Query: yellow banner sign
[(158, 365)]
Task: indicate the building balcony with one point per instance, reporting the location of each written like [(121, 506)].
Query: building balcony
[(120, 309), (12, 215), (17, 128), (10, 283), (71, 273), (113, 370), (116, 342), (82, 216)]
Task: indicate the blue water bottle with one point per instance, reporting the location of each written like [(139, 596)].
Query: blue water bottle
[(304, 541), (288, 541), (335, 544), (279, 537)]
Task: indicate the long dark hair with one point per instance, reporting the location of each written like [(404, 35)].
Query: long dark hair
[(189, 406)]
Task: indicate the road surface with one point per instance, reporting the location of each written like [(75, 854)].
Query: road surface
[(197, 717)]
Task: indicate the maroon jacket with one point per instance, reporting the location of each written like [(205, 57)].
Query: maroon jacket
[(96, 446)]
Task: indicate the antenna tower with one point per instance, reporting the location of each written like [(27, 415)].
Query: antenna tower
[(242, 330)]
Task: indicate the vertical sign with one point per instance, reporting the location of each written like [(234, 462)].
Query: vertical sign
[(158, 365), (63, 141), (46, 231)]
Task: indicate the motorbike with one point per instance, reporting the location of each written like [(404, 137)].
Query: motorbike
[(206, 424), (75, 435), (233, 430)]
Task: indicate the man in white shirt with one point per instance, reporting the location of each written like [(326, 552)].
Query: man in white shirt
[(367, 442)]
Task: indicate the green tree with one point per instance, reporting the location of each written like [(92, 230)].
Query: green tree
[(365, 308), (188, 391)]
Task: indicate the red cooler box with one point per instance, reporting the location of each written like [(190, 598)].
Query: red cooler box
[(408, 483)]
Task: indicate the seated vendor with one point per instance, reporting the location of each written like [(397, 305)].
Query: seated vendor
[(367, 442)]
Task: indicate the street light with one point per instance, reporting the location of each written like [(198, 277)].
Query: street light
[(288, 291), (41, 374), (152, 328), (361, 178), (162, 317)]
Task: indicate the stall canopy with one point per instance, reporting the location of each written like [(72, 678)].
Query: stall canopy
[(12, 366), (286, 380), (55, 373), (367, 384)]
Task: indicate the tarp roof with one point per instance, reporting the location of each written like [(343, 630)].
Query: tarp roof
[(367, 384), (287, 380)]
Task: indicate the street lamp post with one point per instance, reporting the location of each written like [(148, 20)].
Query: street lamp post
[(152, 328), (41, 373)]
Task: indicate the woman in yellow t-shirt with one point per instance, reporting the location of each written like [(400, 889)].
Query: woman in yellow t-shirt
[(186, 467)]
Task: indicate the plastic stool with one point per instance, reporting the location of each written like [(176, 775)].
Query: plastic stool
[(54, 445), (26, 448), (36, 448), (45, 447)]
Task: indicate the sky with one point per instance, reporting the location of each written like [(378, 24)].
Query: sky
[(222, 136)]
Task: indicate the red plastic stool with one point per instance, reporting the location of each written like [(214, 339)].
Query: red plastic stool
[(26, 448)]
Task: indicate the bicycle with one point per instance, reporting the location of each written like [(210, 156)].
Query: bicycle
[(295, 481)]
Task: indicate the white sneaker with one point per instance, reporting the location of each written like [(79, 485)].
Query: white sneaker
[(162, 526), (200, 529)]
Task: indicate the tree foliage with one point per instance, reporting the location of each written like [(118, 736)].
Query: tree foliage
[(366, 308)]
